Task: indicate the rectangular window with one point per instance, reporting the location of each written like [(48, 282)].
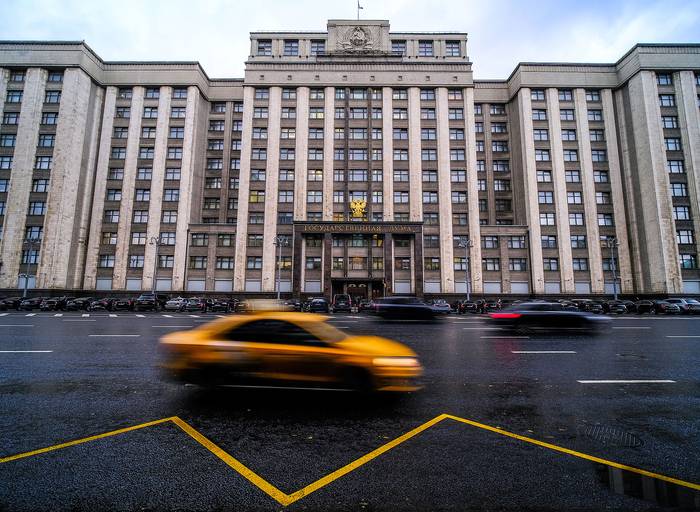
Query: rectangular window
[(517, 264), (675, 166), (597, 135), (425, 48), (567, 114), (537, 95), (550, 264), (539, 114), (44, 163), (516, 242), (547, 219), (180, 113), (568, 135), (565, 95), (592, 95), (672, 143), (542, 155), (452, 49), (491, 264), (541, 134), (106, 261), (544, 176), (595, 115), (685, 236), (578, 241), (398, 47), (571, 155), (548, 241), (51, 118), (667, 100), (574, 198), (576, 219)]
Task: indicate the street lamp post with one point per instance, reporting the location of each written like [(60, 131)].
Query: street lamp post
[(280, 240), (29, 243), (465, 243), (612, 243), (155, 240)]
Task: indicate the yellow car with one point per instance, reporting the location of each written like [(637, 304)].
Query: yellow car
[(292, 349)]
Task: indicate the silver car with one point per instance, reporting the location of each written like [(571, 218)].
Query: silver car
[(176, 304)]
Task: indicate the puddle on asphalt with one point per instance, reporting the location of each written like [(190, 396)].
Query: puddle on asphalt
[(661, 492)]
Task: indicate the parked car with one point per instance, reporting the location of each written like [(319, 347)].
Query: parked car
[(594, 307), (441, 307), (364, 306), (614, 307), (79, 304), (661, 307), (30, 304), (318, 305), (403, 308), (547, 317), (123, 304), (644, 306), (10, 303), (293, 304), (687, 306), (341, 302), (150, 302), (175, 304), (467, 306), (54, 303), (195, 304), (491, 305), (220, 305), (104, 304), (630, 305)]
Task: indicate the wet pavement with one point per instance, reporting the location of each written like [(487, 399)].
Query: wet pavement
[(534, 423)]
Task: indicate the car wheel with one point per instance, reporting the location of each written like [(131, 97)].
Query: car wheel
[(358, 379)]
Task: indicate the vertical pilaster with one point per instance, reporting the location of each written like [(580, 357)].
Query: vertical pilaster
[(505, 265), (447, 272), (98, 196), (302, 152), (187, 176), (63, 204), (271, 189), (387, 153), (595, 264), (126, 211), (243, 191), (532, 211), (477, 283), (155, 205), (560, 199), (415, 178), (624, 265), (689, 123), (21, 175), (328, 152)]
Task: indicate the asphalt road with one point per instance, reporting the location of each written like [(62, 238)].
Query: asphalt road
[(60, 382)]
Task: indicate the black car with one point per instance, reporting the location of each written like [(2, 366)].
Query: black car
[(341, 302), (614, 307), (55, 303), (10, 303), (104, 304), (547, 316), (219, 306), (492, 305), (661, 307), (467, 306), (318, 305), (148, 302), (123, 304), (644, 306), (30, 304), (79, 304), (403, 308)]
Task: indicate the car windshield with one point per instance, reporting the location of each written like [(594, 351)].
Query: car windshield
[(692, 301)]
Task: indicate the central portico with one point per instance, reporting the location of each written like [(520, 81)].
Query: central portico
[(363, 259)]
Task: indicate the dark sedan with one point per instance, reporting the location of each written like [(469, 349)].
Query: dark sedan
[(532, 317), (467, 306), (30, 304), (79, 304), (101, 305), (55, 304), (147, 302), (661, 307), (318, 305), (10, 303), (403, 308), (123, 304), (219, 306)]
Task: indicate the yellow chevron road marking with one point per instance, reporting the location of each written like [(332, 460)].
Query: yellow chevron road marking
[(286, 499)]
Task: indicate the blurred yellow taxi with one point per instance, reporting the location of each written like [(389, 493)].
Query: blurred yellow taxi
[(289, 349)]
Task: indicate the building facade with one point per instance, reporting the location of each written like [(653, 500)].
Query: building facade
[(355, 160)]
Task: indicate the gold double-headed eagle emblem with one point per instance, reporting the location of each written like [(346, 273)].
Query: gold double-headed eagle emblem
[(358, 208)]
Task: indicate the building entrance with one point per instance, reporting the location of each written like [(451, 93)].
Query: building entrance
[(359, 289)]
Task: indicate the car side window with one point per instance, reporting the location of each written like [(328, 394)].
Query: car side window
[(272, 331)]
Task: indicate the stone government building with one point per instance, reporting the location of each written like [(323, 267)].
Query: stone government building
[(366, 157)]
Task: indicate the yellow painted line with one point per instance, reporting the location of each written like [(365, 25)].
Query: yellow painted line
[(83, 440), (575, 453), (285, 499)]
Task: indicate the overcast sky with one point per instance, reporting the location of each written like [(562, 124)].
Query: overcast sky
[(215, 32)]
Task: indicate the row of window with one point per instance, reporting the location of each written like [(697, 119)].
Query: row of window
[(141, 217), (144, 173), (576, 219), (151, 112), (53, 97), (149, 132), (20, 76), (42, 163), (290, 47), (8, 140), (47, 118), (565, 95), (152, 93), (542, 134), (566, 114), (342, 94), (144, 194), (571, 155), (147, 152)]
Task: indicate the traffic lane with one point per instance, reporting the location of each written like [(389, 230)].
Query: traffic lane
[(467, 467)]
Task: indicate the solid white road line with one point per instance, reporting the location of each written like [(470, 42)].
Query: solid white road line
[(193, 316), (30, 314), (682, 336), (634, 381), (78, 320), (113, 316), (543, 351), (114, 335), (631, 327), (167, 316), (16, 325), (25, 351), (505, 337)]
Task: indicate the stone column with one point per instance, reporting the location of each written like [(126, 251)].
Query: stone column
[(271, 189), (297, 263), (388, 264), (661, 266), (193, 126), (243, 191), (387, 153), (689, 123), (505, 264), (418, 265), (624, 265), (560, 199), (94, 240), (63, 201), (532, 210), (328, 153), (447, 272), (126, 211), (21, 176), (477, 283), (302, 152), (595, 264), (4, 79), (155, 205), (415, 176), (326, 260)]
